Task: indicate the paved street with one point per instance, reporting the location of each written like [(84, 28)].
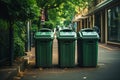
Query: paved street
[(107, 69)]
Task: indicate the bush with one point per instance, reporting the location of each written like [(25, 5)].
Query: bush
[(19, 47), (19, 39)]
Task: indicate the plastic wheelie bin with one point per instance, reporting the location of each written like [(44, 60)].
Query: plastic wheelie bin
[(43, 47), (66, 48), (87, 47)]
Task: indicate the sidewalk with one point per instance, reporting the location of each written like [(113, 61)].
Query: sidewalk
[(13, 72), (7, 73), (107, 69)]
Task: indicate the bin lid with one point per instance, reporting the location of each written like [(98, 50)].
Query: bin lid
[(88, 33), (67, 33), (44, 33)]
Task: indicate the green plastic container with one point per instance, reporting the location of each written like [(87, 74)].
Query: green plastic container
[(66, 48), (43, 48), (87, 48)]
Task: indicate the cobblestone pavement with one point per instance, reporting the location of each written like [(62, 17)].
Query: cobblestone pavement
[(107, 69)]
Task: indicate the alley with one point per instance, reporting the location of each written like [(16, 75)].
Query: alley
[(107, 69), (27, 26)]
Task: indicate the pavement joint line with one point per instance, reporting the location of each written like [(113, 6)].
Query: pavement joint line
[(105, 47)]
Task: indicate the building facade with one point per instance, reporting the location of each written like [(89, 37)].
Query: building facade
[(106, 15)]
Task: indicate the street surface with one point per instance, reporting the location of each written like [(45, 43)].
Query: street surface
[(108, 67)]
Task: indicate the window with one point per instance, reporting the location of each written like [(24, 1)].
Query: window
[(114, 24)]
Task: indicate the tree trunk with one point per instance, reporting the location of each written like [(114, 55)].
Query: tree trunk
[(39, 22), (11, 42), (46, 14)]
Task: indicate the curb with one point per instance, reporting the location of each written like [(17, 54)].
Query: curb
[(10, 72)]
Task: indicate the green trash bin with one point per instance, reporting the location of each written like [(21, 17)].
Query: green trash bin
[(87, 47), (43, 47), (66, 47)]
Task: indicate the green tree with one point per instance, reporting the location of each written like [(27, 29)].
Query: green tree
[(14, 10), (49, 4), (61, 10)]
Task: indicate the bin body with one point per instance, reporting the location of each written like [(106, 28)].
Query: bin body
[(66, 48), (43, 48), (87, 48)]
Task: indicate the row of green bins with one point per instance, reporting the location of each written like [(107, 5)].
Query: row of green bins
[(66, 47), (43, 49), (87, 47)]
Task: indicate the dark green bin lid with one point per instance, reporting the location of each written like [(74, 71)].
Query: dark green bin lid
[(44, 34), (88, 34), (66, 34)]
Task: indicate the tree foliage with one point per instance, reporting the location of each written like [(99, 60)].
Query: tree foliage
[(18, 9), (19, 39), (59, 11), (49, 4)]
